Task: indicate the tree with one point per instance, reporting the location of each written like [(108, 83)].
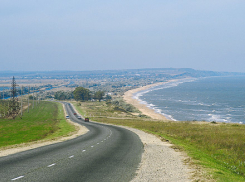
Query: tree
[(61, 95), (99, 95), (108, 97), (81, 94)]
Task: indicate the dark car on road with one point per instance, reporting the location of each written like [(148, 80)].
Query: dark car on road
[(86, 119)]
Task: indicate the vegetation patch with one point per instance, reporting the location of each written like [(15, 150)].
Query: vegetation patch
[(120, 104)]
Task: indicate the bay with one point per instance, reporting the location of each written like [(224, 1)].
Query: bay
[(220, 99)]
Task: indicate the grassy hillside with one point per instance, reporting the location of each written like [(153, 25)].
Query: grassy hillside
[(46, 120), (218, 148)]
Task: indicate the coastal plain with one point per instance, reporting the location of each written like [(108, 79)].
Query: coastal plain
[(215, 150)]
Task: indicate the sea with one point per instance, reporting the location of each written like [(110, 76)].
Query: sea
[(219, 99), (4, 88)]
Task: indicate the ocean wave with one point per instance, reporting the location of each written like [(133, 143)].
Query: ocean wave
[(169, 117), (157, 110), (218, 118)]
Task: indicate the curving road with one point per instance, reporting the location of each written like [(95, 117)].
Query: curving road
[(105, 153)]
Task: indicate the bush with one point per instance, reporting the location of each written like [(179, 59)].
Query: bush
[(143, 116), (127, 107)]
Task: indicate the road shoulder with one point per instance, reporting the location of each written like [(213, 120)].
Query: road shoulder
[(160, 162)]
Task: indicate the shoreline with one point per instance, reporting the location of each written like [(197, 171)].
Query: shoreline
[(128, 97)]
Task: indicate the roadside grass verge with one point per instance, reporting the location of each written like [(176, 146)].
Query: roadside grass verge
[(64, 128), (219, 148), (45, 121)]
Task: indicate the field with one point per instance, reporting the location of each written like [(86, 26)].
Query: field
[(44, 121), (218, 148)]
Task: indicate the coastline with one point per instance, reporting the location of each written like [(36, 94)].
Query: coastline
[(128, 97)]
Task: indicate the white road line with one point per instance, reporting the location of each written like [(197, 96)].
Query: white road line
[(17, 178), (51, 165), (84, 150), (71, 156)]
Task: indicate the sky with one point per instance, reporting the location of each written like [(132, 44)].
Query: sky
[(78, 35)]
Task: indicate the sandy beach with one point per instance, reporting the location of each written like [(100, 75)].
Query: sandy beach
[(128, 97)]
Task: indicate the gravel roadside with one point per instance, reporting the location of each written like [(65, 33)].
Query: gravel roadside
[(160, 162)]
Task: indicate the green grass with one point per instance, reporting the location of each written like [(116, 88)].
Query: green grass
[(44, 121), (218, 147), (64, 128)]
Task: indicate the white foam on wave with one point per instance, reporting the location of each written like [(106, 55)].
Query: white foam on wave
[(157, 110), (169, 117), (151, 105), (203, 104), (218, 118)]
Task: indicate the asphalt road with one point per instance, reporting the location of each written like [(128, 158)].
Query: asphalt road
[(105, 153)]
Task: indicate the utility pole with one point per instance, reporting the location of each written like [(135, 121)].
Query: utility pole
[(21, 100), (36, 96), (32, 97), (28, 97), (39, 96), (3, 104)]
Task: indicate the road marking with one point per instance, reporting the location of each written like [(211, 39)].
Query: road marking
[(17, 178), (84, 150), (71, 156), (51, 165)]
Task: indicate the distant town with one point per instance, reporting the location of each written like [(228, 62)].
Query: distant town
[(111, 82)]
